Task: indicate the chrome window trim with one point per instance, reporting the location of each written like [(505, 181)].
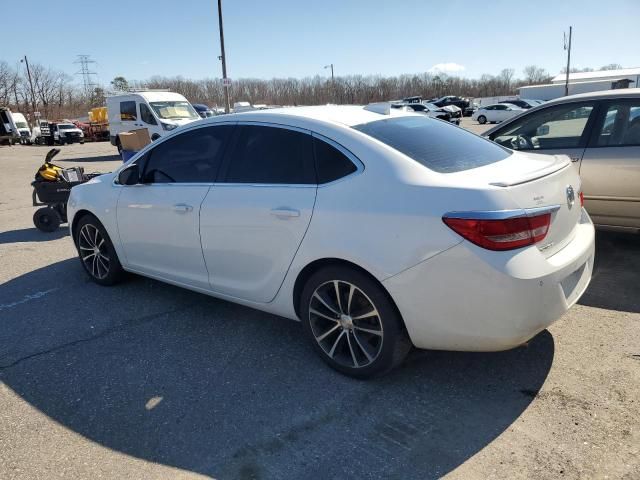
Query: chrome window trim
[(502, 214)]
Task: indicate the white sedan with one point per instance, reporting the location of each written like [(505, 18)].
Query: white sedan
[(496, 113), (378, 231)]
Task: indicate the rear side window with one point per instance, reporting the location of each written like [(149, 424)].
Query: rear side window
[(128, 111), (271, 155), (191, 157), (437, 145), (331, 163)]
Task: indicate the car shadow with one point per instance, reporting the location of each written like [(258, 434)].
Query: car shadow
[(32, 235), (615, 284), (185, 380)]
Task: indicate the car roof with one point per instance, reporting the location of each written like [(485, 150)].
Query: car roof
[(603, 94), (337, 115)]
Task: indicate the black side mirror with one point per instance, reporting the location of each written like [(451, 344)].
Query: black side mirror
[(130, 175)]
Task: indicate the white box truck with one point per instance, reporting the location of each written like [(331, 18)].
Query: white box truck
[(158, 111)]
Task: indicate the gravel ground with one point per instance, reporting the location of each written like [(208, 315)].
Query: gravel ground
[(148, 381)]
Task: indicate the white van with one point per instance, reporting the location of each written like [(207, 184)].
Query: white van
[(22, 126), (158, 111)]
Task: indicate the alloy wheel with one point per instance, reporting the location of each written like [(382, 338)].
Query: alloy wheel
[(92, 247), (346, 324)]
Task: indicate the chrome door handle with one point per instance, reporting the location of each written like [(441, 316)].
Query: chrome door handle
[(285, 212), (182, 207), (575, 159)]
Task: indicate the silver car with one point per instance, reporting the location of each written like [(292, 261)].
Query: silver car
[(600, 132)]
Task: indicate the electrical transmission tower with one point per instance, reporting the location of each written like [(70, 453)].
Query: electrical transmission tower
[(87, 74)]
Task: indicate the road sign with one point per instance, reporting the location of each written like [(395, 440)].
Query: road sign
[(226, 82)]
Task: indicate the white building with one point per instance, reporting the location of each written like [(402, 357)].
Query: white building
[(583, 82)]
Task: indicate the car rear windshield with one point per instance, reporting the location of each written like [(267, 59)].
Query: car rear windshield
[(437, 145)]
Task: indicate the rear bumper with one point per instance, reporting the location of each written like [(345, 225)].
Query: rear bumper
[(467, 298)]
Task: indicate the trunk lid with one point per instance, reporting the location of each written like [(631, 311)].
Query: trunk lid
[(533, 181)]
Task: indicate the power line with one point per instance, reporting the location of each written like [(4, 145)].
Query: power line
[(87, 79)]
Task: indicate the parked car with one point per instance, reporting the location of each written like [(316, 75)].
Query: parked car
[(366, 227), (461, 103), (443, 113), (158, 111), (66, 133), (203, 110), (498, 112), (600, 132), (523, 103)]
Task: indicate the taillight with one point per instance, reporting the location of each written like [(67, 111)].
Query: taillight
[(581, 195), (505, 234)]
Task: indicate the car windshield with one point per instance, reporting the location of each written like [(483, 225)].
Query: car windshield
[(174, 110), (66, 126), (438, 146), (21, 125)]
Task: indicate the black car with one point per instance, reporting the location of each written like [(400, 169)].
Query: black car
[(461, 103), (203, 110)]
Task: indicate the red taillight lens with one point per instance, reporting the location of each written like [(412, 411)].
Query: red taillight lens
[(507, 234), (581, 195)]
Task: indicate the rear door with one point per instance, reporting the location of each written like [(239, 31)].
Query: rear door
[(610, 167), (255, 217), (558, 129)]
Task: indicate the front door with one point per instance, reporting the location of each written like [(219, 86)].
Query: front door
[(610, 167), (559, 129), (159, 219), (255, 217)]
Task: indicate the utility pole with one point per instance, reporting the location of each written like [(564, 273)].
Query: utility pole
[(33, 95), (568, 49), (225, 85), (333, 83)]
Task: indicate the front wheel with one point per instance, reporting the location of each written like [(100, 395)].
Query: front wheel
[(482, 119), (352, 323), (96, 252)]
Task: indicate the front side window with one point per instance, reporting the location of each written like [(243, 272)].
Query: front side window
[(271, 155), (561, 126), (191, 157), (621, 125), (438, 146), (128, 111), (174, 110), (146, 115)]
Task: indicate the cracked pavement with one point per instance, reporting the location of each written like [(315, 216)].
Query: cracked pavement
[(149, 381)]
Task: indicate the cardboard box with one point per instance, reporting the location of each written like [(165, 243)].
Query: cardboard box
[(135, 140)]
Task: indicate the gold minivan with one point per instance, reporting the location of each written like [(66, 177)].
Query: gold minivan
[(600, 132)]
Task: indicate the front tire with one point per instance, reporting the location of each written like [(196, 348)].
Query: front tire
[(482, 119), (97, 254), (352, 323)]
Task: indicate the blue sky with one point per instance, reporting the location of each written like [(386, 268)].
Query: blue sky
[(287, 38)]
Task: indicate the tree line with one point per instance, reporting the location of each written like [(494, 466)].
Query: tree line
[(55, 94)]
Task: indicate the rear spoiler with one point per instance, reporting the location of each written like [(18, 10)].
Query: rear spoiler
[(561, 162)]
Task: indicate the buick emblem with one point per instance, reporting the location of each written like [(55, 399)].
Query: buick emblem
[(571, 196)]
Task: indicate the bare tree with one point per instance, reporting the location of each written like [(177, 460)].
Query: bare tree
[(611, 66), (535, 75)]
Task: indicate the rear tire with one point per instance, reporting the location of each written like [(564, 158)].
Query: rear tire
[(46, 219), (352, 323), (96, 251), (482, 119)]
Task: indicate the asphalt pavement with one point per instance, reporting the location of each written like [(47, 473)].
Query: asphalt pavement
[(149, 381)]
